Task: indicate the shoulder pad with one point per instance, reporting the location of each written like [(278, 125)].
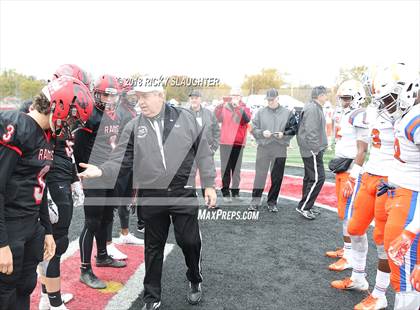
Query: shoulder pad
[(358, 118), (412, 129)]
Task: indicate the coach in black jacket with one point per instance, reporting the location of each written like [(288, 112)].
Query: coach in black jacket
[(160, 146), (312, 141)]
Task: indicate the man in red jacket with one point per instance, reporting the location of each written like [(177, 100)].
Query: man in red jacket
[(234, 116)]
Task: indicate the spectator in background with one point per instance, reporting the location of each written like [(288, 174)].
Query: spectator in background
[(206, 119), (234, 116), (272, 131), (25, 106), (312, 141)]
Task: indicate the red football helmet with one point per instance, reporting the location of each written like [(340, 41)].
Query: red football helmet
[(73, 71), (106, 92), (128, 95), (71, 105)]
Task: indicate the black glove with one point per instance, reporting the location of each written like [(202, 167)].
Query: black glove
[(383, 188)]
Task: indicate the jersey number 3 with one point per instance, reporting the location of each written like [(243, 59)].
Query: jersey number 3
[(10, 131), (39, 189)]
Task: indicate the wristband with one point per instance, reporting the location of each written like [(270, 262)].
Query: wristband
[(355, 171)]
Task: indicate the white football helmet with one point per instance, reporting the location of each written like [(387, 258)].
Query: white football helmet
[(410, 95), (351, 90), (389, 84)]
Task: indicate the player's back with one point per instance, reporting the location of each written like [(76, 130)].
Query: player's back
[(25, 186)]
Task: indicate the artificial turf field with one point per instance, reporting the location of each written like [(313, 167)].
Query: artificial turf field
[(275, 262)]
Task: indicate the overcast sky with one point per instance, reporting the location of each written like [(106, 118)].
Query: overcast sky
[(310, 40)]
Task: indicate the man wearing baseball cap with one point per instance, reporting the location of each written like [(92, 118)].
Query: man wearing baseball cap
[(271, 129)]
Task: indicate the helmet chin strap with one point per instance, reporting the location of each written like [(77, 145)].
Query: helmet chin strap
[(52, 126)]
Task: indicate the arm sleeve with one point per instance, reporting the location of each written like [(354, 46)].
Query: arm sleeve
[(44, 216), (8, 159), (82, 142), (216, 133), (412, 130), (292, 125), (121, 159), (204, 158), (244, 115), (218, 112), (310, 121), (256, 127)]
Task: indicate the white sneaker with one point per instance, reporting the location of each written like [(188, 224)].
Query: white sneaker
[(44, 302), (66, 297), (130, 239), (115, 253)]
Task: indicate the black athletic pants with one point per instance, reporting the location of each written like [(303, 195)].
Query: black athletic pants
[(61, 195), (231, 162), (267, 157), (26, 242), (97, 218), (157, 220), (123, 189), (312, 181)]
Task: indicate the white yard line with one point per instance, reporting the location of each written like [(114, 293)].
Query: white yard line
[(134, 286)]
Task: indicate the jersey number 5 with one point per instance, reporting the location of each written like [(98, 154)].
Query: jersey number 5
[(39, 189), (376, 141)]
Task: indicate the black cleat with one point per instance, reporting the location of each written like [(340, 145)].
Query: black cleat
[(108, 261), (253, 208), (151, 306), (87, 277), (194, 293)]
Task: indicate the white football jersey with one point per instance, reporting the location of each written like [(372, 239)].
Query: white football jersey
[(406, 170), (381, 139), (352, 126)]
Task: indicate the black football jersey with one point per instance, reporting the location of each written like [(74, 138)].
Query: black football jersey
[(63, 168), (26, 155), (95, 142)]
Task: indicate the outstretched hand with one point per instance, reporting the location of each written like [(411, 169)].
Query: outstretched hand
[(91, 171)]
